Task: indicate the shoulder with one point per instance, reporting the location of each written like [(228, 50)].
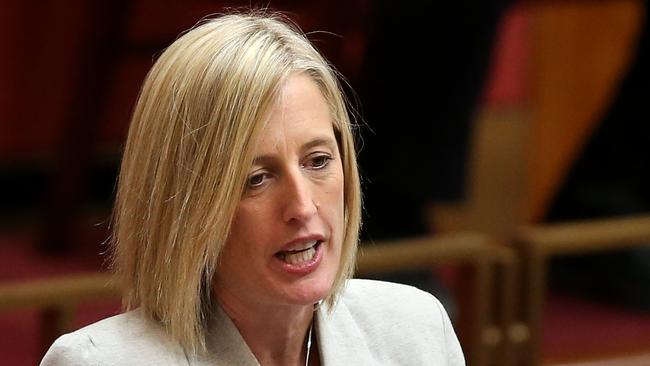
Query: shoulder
[(385, 293), (370, 300), (403, 319), (125, 339)]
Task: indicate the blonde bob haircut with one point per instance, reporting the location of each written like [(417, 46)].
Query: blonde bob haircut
[(189, 149)]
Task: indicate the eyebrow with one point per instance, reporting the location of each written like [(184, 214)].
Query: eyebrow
[(318, 141), (326, 141)]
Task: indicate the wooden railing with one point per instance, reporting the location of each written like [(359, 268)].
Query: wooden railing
[(540, 243), (56, 300)]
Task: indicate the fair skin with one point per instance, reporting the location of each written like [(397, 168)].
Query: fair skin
[(284, 249)]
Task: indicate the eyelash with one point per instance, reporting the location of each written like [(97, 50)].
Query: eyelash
[(323, 159)]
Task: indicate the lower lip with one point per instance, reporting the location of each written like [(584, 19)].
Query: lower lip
[(304, 268)]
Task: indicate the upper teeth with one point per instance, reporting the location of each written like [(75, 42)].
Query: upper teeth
[(302, 246)]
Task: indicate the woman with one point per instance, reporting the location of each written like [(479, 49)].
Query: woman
[(237, 218)]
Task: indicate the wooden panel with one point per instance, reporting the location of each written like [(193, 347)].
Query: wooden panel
[(496, 177), (581, 49)]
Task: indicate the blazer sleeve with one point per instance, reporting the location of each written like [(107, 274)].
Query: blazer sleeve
[(454, 352)]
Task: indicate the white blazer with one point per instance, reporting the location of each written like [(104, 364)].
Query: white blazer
[(373, 323)]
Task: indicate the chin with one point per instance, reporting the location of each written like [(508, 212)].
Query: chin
[(309, 293)]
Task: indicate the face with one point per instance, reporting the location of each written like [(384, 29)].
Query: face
[(285, 243)]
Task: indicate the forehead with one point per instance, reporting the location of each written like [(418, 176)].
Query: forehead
[(299, 113)]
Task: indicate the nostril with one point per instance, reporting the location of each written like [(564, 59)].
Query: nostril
[(301, 210)]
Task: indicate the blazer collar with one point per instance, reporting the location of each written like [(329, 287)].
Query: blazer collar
[(225, 344), (340, 341)]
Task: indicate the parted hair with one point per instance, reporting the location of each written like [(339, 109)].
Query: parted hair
[(198, 116)]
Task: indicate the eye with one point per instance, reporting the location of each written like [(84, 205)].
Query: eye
[(319, 161), (256, 180)]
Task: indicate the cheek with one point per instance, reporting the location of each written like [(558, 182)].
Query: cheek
[(336, 200), (339, 204), (252, 212), (236, 245)]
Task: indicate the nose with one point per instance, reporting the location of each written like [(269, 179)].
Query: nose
[(299, 204)]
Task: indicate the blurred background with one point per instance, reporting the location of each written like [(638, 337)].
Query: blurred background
[(513, 136)]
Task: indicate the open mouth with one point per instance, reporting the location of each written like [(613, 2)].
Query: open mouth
[(300, 256)]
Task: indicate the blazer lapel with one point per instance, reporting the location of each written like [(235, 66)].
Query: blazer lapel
[(340, 340)]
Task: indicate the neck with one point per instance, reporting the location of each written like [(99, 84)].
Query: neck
[(277, 335)]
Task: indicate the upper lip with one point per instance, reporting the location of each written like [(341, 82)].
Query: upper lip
[(302, 242)]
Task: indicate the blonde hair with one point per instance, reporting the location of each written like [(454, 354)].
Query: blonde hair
[(189, 148)]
